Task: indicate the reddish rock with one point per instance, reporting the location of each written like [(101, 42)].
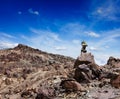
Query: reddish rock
[(71, 85), (115, 82)]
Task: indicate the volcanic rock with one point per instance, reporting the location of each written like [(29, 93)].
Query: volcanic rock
[(83, 73), (45, 93), (71, 85), (84, 58), (115, 82), (23, 69), (113, 62), (86, 69), (96, 70)]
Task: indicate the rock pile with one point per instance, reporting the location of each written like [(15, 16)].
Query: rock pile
[(86, 69), (89, 76)]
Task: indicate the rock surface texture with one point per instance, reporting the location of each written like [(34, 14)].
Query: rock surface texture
[(84, 58), (86, 68), (28, 73)]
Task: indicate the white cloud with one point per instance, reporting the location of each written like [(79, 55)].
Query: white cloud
[(99, 11), (7, 40), (44, 40), (107, 47), (47, 34), (101, 58), (77, 30), (108, 10), (19, 12), (73, 29), (109, 38), (7, 45), (49, 41), (76, 41), (24, 37), (6, 35), (101, 48), (93, 34), (36, 31), (93, 48), (33, 12), (60, 48), (55, 36)]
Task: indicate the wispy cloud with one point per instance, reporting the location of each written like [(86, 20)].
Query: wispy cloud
[(31, 11), (6, 35), (4, 44), (107, 10), (45, 40), (93, 34), (76, 41), (46, 33), (19, 12), (101, 58), (73, 29), (60, 48), (106, 45), (78, 30), (51, 42), (101, 48), (93, 48), (7, 40), (109, 38)]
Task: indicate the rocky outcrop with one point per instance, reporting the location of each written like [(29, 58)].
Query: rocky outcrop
[(86, 68), (83, 74), (113, 71), (96, 70), (113, 62), (84, 58)]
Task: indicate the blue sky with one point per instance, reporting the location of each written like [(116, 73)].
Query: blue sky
[(59, 26)]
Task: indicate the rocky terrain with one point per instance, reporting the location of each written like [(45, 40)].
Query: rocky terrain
[(28, 73)]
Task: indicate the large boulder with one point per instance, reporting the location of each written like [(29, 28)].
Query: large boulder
[(86, 69), (114, 78), (115, 81), (83, 73), (71, 85), (113, 62), (86, 73), (96, 70), (84, 58)]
